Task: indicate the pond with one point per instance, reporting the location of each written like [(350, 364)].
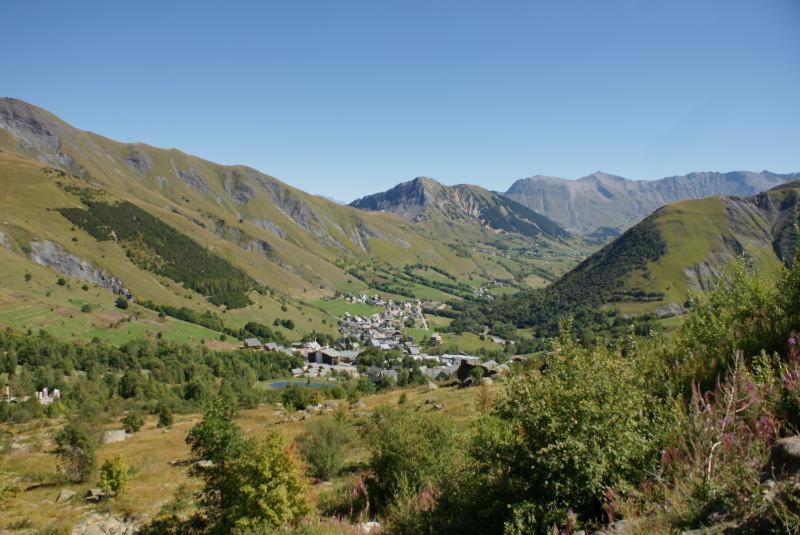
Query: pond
[(277, 385)]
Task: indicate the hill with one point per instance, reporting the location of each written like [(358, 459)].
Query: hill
[(601, 202)]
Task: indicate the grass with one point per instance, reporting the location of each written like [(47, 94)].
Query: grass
[(338, 307), (149, 453)]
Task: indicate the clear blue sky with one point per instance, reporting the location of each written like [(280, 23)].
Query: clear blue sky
[(344, 98)]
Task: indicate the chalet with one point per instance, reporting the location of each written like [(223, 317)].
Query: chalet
[(252, 343), (465, 369), (436, 338)]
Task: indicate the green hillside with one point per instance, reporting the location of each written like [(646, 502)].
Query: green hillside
[(178, 231)]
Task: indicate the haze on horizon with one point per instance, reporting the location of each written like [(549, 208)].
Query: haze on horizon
[(350, 98)]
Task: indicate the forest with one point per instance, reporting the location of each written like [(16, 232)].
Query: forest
[(155, 246)]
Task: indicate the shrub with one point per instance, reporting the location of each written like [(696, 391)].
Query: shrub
[(121, 303), (559, 439), (165, 418), (86, 308), (324, 446), (132, 422), (114, 476), (409, 454)]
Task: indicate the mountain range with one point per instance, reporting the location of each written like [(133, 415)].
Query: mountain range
[(177, 230), (607, 204)]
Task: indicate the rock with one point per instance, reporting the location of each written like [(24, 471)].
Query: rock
[(116, 435), (104, 524), (785, 456), (438, 407), (466, 383), (359, 405), (369, 527), (486, 381), (430, 387), (95, 495), (65, 496), (52, 255)]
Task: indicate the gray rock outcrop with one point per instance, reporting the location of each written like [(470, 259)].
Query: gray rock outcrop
[(52, 255)]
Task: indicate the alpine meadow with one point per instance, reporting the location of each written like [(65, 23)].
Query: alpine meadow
[(408, 332)]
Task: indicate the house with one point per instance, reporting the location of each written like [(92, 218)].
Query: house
[(436, 338), (252, 343), (329, 356), (465, 369)]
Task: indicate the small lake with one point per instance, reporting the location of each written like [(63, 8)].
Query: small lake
[(277, 385)]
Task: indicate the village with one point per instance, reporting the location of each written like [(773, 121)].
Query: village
[(382, 332)]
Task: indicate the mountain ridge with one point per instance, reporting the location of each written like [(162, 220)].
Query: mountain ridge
[(424, 198), (602, 200)]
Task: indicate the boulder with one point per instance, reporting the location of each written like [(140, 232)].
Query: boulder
[(430, 387), (785, 456), (115, 435), (65, 496), (438, 407), (95, 495), (486, 381), (104, 524)]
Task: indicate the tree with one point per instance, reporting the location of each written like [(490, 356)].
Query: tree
[(114, 476), (165, 418), (324, 446), (121, 302), (247, 483), (76, 449)]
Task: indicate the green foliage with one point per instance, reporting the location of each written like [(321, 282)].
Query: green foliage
[(121, 302), (247, 483), (409, 453), (114, 476), (559, 438), (86, 308), (165, 417), (138, 376), (132, 422), (742, 312), (76, 448), (324, 445), (153, 245)]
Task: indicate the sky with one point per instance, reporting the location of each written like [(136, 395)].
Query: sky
[(344, 98)]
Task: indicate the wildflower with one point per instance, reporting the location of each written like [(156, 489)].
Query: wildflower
[(792, 341)]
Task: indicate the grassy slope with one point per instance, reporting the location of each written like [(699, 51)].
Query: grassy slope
[(303, 264), (153, 480), (696, 232)]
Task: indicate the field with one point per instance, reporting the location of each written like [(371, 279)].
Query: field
[(151, 453), (338, 307)]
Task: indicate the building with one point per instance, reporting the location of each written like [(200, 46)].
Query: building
[(252, 343)]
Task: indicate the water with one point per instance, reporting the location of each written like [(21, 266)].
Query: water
[(277, 385)]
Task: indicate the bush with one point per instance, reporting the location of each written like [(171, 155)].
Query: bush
[(86, 308), (121, 302), (114, 476), (559, 439), (132, 422), (165, 418), (324, 446), (410, 453)]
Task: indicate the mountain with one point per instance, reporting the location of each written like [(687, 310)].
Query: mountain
[(684, 246), (601, 202), (424, 199), (84, 219)]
